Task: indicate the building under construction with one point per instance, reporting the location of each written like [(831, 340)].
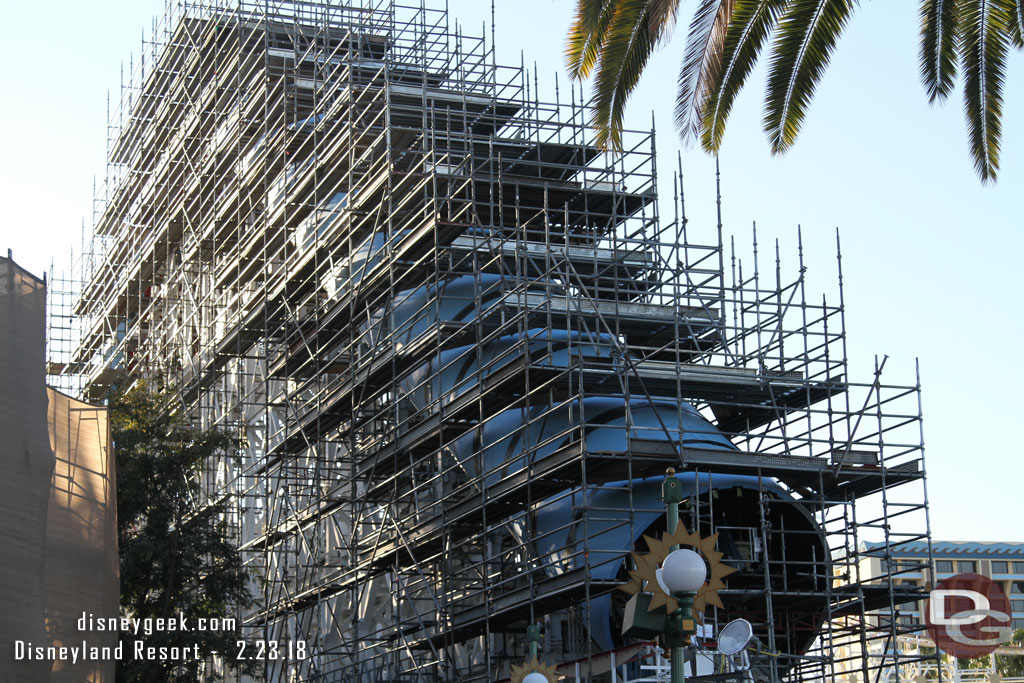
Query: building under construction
[(460, 345)]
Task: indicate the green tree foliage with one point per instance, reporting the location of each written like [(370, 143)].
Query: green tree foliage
[(1012, 666), (1008, 666), (175, 554), (613, 39)]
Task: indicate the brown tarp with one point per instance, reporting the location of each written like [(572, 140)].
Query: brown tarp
[(58, 514), (27, 471), (81, 536)]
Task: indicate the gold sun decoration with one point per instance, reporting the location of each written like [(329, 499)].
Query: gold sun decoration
[(519, 671), (648, 563)]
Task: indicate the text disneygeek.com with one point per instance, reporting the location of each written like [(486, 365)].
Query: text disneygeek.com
[(138, 648)]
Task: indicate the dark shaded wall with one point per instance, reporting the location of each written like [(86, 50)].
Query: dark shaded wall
[(27, 463)]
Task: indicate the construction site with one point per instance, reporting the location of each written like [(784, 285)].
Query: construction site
[(461, 345)]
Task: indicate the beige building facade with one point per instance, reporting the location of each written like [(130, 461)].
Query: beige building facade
[(902, 635)]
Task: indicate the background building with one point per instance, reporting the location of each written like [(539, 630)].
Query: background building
[(918, 567), (910, 566), (461, 345)]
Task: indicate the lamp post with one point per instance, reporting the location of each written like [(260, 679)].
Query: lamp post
[(681, 575), (533, 671), (533, 635)]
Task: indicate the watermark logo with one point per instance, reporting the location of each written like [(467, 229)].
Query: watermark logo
[(968, 615)]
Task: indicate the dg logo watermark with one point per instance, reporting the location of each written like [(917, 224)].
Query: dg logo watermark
[(968, 615)]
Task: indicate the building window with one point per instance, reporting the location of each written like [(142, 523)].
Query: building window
[(1018, 567), (944, 566), (1017, 587), (900, 565), (1000, 567), (1018, 623), (1017, 605), (967, 566)]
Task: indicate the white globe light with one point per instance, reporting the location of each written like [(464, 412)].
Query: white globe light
[(534, 677), (661, 581), (683, 571)]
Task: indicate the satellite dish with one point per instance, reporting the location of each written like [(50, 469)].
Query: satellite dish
[(735, 637)]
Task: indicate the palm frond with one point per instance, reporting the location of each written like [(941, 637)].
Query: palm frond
[(807, 34), (1017, 30), (661, 18), (985, 37), (939, 26), (751, 24), (627, 47), (587, 35), (702, 63)]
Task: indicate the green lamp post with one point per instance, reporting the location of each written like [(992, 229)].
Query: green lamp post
[(681, 574), (533, 671)]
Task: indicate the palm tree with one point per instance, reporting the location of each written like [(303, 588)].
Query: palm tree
[(613, 39)]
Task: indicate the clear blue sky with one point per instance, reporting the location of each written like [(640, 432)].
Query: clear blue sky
[(931, 257)]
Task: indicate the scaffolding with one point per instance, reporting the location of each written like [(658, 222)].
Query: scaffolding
[(460, 347)]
